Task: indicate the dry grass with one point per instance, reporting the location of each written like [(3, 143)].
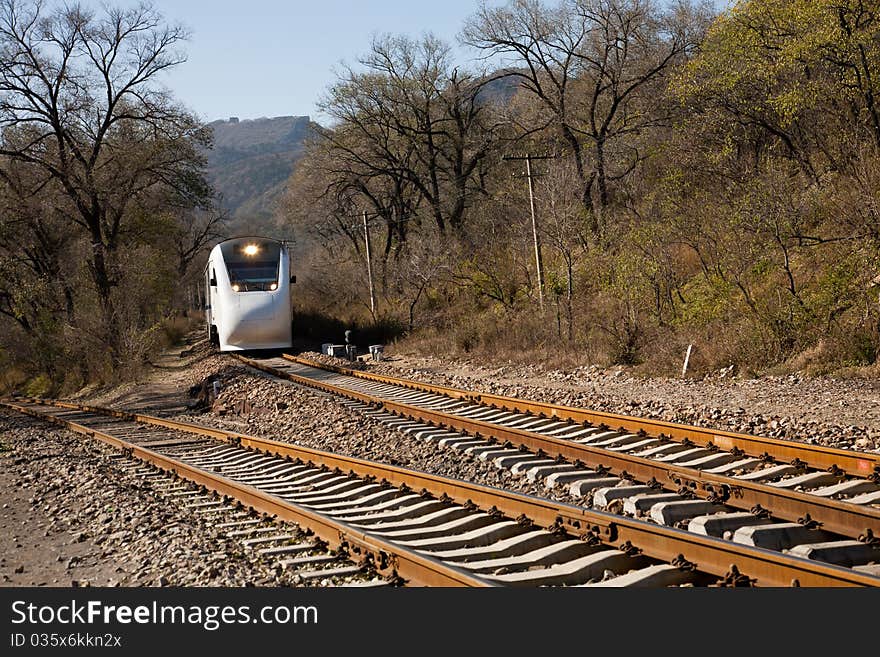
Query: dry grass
[(175, 328), (11, 378), (529, 340)]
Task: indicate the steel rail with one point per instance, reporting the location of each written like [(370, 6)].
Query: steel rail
[(387, 558), (823, 458), (707, 554), (852, 520)]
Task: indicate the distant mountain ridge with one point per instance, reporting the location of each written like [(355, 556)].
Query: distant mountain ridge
[(252, 159), (250, 163)]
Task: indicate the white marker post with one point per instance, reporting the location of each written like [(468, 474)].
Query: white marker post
[(687, 358)]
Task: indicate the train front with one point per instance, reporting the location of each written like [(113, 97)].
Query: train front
[(255, 309)]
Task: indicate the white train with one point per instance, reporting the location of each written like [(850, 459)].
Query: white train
[(247, 300)]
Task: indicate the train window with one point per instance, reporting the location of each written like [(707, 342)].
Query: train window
[(252, 264)]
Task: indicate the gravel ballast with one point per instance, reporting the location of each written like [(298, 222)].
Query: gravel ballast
[(842, 413), (72, 515)]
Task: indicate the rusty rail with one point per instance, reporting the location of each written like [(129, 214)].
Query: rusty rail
[(852, 520), (823, 458), (386, 558), (708, 554)]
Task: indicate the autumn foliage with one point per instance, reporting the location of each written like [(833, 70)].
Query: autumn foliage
[(706, 178)]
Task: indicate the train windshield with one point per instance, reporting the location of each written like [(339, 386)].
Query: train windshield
[(252, 264)]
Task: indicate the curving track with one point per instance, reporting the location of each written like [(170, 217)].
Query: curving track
[(448, 533), (747, 493)]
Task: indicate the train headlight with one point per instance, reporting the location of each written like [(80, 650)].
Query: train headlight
[(274, 286), (251, 249), (235, 288)]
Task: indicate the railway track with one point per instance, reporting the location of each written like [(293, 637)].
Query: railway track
[(242, 538), (283, 547), (761, 492), (417, 528)]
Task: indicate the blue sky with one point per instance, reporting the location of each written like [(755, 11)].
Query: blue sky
[(253, 58)]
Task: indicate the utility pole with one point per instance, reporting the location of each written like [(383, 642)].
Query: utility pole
[(538, 261), (369, 266), (539, 265)]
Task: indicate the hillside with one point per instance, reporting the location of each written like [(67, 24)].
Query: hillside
[(250, 162)]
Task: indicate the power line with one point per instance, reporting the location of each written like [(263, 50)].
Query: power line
[(374, 215)]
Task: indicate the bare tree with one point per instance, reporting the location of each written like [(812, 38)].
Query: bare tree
[(196, 230), (35, 242), (563, 223), (412, 119), (598, 68), (331, 189), (79, 100)]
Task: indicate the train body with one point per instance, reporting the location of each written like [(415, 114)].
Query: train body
[(248, 306)]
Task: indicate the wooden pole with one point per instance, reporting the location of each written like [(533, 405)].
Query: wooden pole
[(538, 264), (369, 267)]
